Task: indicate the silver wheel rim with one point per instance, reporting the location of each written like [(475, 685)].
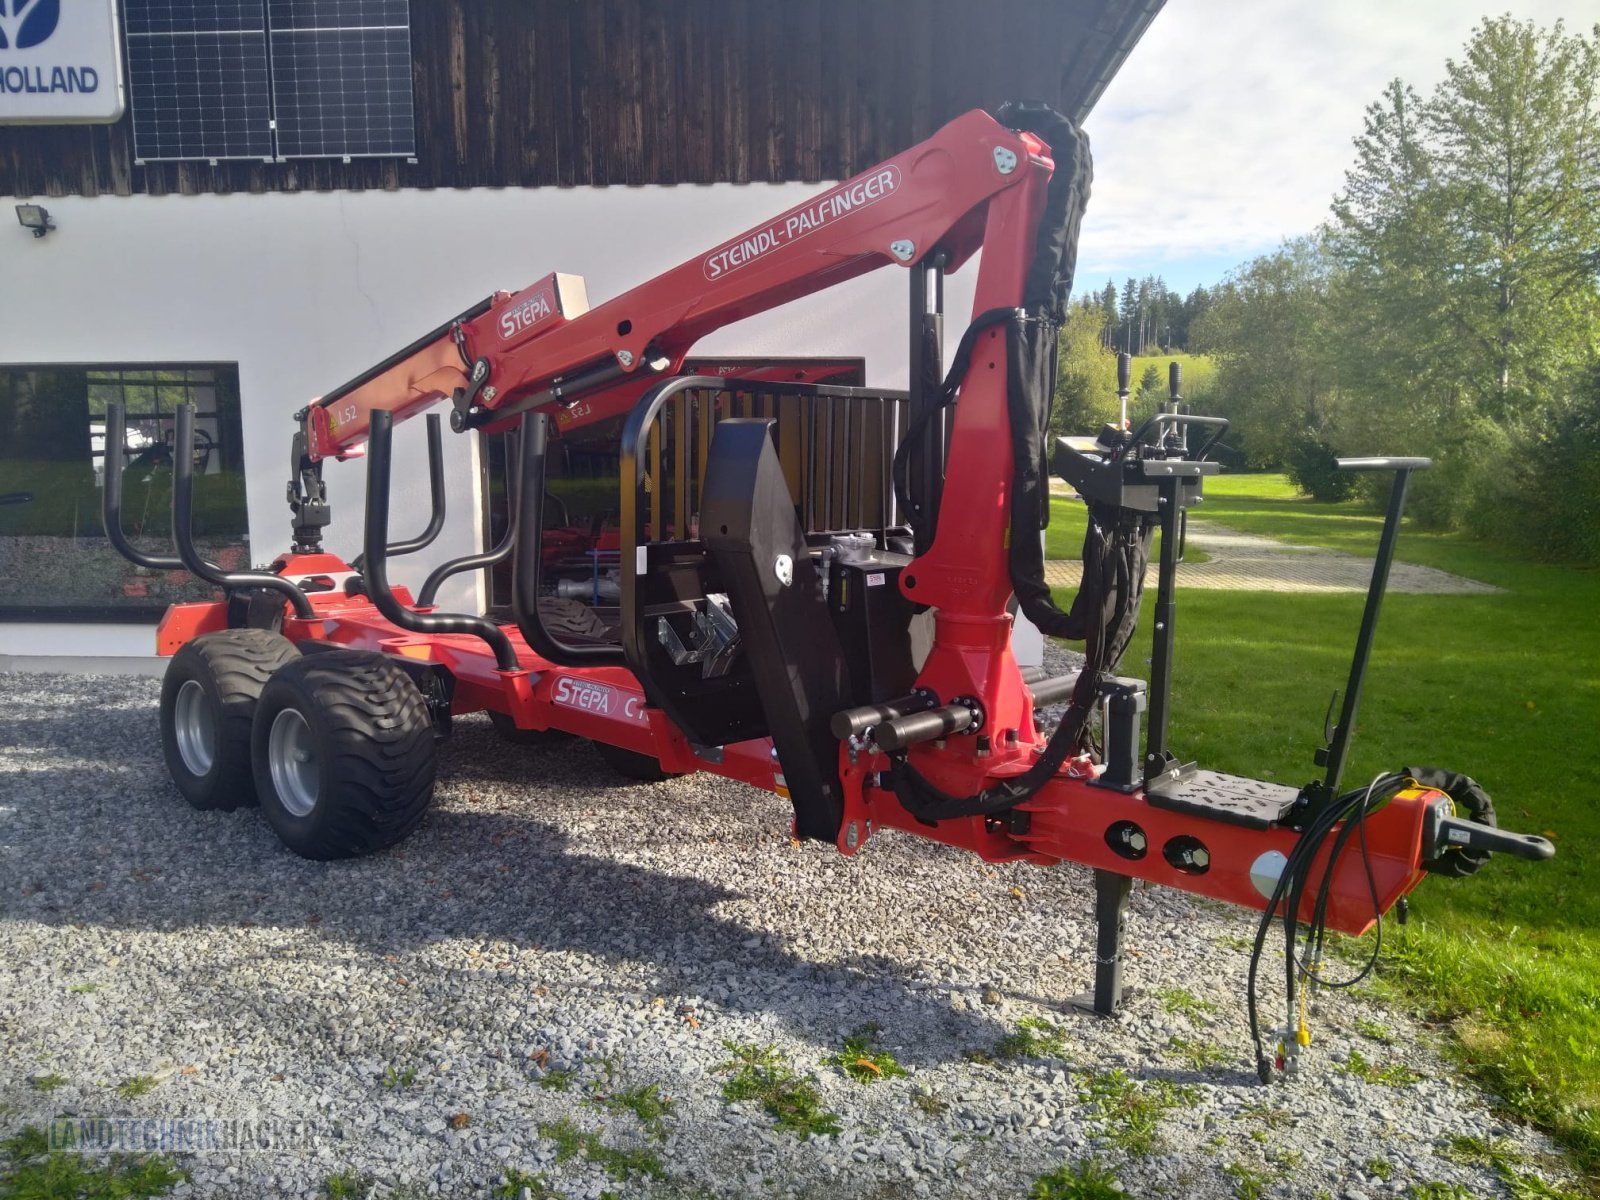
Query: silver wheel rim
[(292, 757), (195, 728)]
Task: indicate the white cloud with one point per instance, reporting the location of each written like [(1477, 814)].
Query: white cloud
[(1230, 126)]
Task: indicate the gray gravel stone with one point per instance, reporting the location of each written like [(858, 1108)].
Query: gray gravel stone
[(545, 916)]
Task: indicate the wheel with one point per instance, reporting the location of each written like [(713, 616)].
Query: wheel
[(342, 749), (567, 619), (208, 699), (517, 736), (633, 765)]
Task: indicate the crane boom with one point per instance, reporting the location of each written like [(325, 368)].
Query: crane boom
[(543, 345)]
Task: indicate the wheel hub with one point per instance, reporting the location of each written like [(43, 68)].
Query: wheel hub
[(292, 757), (195, 728)]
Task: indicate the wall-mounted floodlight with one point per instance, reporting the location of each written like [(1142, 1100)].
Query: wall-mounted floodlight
[(36, 218)]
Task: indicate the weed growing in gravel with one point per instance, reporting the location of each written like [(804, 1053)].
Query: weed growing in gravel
[(760, 1073), (29, 1169), (1374, 1031), (555, 1080), (1434, 1190), (399, 1080), (567, 1137), (861, 1062), (1199, 1054), (1086, 1179), (1248, 1182), (1270, 1115), (48, 1083), (929, 1103), (1393, 1075), (1130, 1113), (1503, 1158), (138, 1085), (1034, 1037), (83, 989), (1530, 1187), (623, 1164), (521, 1185), (1381, 1167), (645, 1102), (348, 1185), (615, 1161), (1181, 1001)]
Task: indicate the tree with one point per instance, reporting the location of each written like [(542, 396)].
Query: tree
[(1086, 375), (1129, 314), (1269, 328), (1467, 237)]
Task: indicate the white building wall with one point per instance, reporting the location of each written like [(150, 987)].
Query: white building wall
[(304, 291)]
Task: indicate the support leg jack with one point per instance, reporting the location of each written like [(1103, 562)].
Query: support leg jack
[(1111, 892)]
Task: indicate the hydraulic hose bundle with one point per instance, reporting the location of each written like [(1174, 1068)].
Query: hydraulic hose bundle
[(1349, 813), (1116, 547)]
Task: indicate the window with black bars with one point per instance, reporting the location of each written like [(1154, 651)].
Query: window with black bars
[(56, 563)]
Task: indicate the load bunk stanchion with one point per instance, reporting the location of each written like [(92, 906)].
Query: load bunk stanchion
[(183, 526), (489, 558), (111, 497), (380, 445)]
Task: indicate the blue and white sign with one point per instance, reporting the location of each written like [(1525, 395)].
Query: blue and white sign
[(60, 62)]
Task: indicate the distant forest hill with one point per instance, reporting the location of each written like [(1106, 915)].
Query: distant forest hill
[(1145, 316)]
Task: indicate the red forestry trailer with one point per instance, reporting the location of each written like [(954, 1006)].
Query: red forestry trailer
[(777, 541)]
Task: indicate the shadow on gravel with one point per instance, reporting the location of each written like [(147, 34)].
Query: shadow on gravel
[(93, 833)]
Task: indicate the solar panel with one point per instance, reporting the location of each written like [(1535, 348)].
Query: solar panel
[(198, 74), (341, 73)]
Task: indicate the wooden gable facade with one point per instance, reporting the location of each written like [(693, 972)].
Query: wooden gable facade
[(530, 93)]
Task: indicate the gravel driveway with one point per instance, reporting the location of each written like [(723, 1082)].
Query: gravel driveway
[(422, 1008)]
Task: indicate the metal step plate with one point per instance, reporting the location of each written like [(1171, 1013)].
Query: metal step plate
[(1230, 798)]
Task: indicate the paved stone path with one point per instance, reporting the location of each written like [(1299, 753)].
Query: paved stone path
[(1242, 562)]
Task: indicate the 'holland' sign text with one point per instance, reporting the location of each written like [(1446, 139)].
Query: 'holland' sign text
[(60, 62)]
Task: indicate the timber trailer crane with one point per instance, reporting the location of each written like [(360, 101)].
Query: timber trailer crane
[(777, 538)]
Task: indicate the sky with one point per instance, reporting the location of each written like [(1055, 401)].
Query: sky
[(1231, 124)]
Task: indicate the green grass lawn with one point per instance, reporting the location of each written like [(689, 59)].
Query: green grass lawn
[(1199, 375), (1505, 688)]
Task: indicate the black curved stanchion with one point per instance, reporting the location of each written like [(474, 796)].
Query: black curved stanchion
[(435, 492), (635, 500), (111, 497), (529, 535), (489, 558), (380, 442), (183, 526)]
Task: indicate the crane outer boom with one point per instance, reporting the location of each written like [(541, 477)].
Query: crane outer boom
[(527, 344)]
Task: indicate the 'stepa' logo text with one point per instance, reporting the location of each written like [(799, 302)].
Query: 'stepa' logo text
[(26, 23)]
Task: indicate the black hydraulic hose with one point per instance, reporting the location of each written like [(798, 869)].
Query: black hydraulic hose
[(1289, 891), (489, 558), (183, 526), (375, 555)]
